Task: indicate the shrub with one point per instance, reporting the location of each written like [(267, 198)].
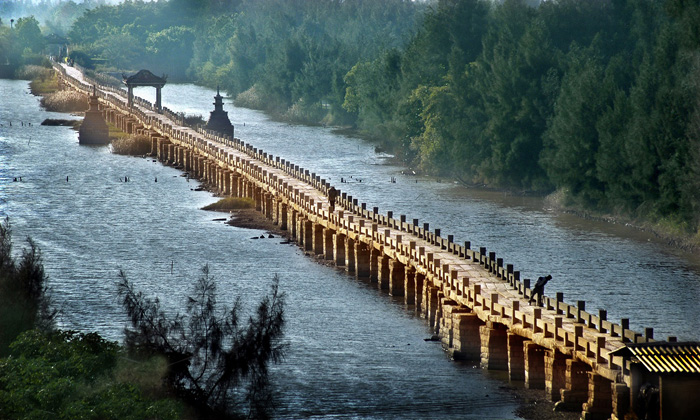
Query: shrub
[(303, 113), (33, 71), (250, 99), (132, 145), (70, 375), (83, 58), (231, 203), (43, 82), (192, 120), (24, 297), (65, 101)]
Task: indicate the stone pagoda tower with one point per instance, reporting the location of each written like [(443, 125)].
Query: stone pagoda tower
[(93, 130), (218, 118)]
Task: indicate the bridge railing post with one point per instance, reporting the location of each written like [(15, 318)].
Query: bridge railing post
[(560, 300), (536, 317), (578, 334), (602, 318), (558, 323), (600, 346), (580, 308), (549, 303), (515, 308)]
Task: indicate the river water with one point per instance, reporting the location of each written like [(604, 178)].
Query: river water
[(354, 352)]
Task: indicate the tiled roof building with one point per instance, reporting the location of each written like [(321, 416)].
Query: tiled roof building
[(665, 379)]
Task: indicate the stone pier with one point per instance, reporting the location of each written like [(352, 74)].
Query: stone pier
[(575, 392), (494, 346)]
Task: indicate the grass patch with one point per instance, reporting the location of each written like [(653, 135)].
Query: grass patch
[(115, 132), (44, 82), (65, 101), (132, 145), (231, 203), (33, 71)]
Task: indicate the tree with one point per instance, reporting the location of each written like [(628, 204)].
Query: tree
[(370, 90), (571, 140), (29, 35), (218, 364), (171, 50), (24, 296), (72, 375), (121, 49), (517, 80)]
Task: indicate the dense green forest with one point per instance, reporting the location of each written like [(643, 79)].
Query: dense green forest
[(284, 54), (596, 100)]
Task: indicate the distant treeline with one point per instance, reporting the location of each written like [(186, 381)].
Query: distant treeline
[(595, 99), (56, 16)]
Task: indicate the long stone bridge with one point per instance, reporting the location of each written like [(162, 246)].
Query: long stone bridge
[(476, 304)]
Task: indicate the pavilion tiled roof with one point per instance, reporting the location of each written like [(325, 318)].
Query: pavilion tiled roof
[(668, 357), (144, 77)]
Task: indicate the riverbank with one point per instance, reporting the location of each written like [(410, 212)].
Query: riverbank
[(667, 232), (534, 405), (253, 219)]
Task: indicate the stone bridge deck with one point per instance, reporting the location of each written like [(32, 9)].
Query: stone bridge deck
[(476, 305)]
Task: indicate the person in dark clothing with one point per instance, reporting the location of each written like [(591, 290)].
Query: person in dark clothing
[(332, 195), (539, 289), (648, 402)]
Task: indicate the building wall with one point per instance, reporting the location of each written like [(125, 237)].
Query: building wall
[(680, 397)]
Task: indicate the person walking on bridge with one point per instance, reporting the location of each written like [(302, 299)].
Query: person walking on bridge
[(332, 195), (539, 289)]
